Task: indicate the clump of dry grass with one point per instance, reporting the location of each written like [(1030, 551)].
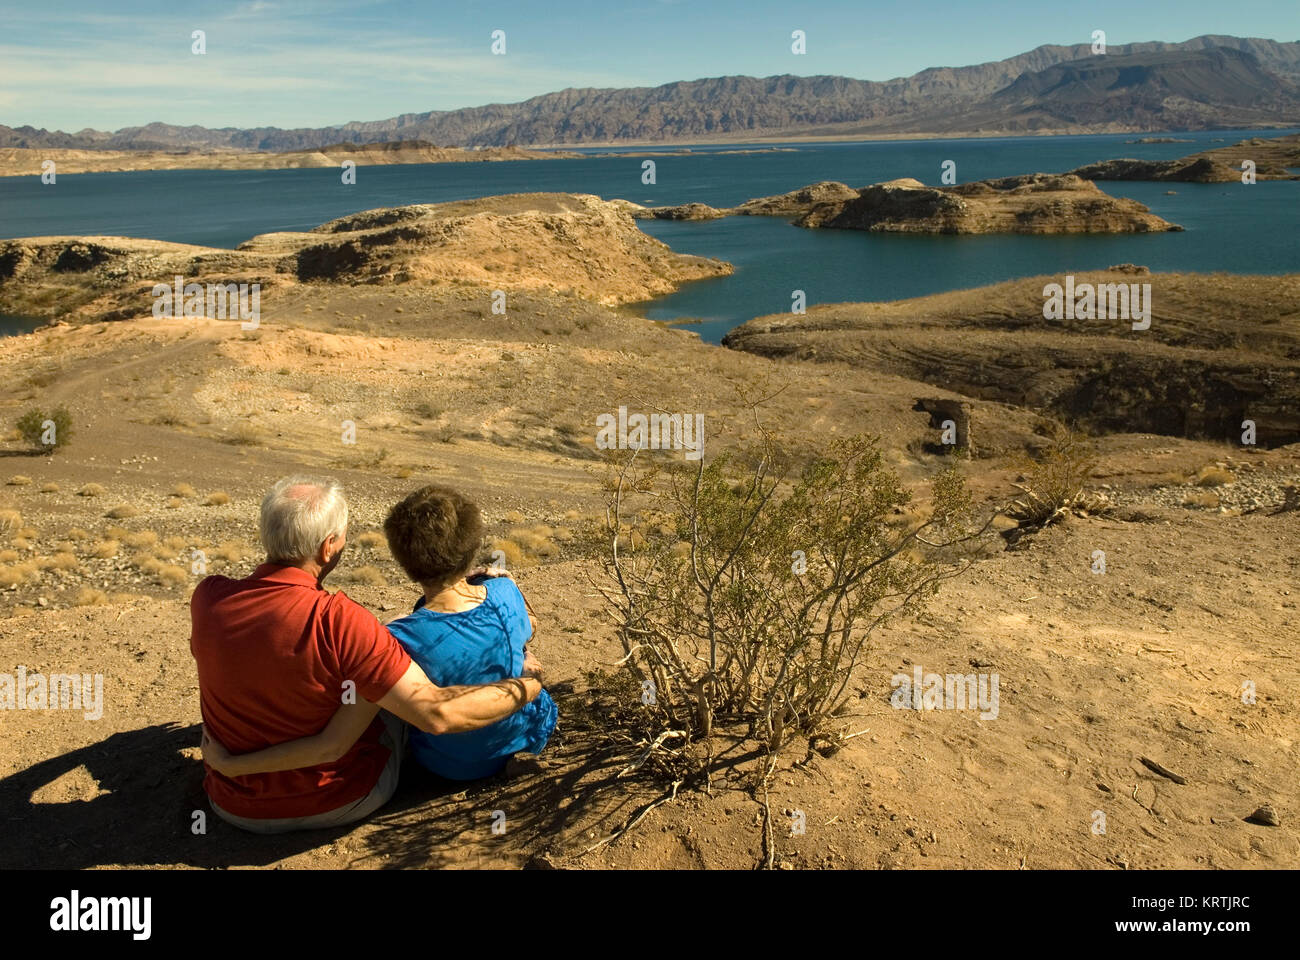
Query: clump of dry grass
[(511, 554), (77, 533), (49, 487), (114, 532), (141, 539), (170, 575), (175, 544), (174, 502), (1201, 498), (229, 550), (91, 490), (90, 597), (183, 490), (514, 516), (104, 549), (366, 575), (1214, 476), (218, 498), (19, 573), (9, 556), (123, 512), (372, 540), (64, 561), (10, 522), (18, 480)]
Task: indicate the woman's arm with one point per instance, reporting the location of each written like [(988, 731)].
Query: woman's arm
[(343, 730)]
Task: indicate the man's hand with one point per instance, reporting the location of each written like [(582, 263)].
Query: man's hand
[(532, 666)]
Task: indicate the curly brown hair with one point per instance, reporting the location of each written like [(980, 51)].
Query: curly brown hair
[(435, 534)]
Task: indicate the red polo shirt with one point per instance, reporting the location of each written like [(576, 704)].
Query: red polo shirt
[(273, 652)]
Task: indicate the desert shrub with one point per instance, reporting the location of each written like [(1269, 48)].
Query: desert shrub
[(367, 575), (170, 575), (764, 613), (19, 573), (90, 597), (372, 540), (182, 490), (217, 499), (511, 554), (1214, 476), (141, 539), (123, 512), (229, 551), (49, 487), (18, 480), (91, 490), (11, 522), (104, 549), (77, 533), (64, 561), (1055, 483), (175, 544), (9, 556), (47, 430)]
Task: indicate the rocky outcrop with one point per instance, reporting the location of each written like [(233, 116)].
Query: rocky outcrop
[(1219, 350), (1033, 203), (798, 201), (577, 244), (1274, 159)]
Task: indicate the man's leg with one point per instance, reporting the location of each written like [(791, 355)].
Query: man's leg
[(394, 738)]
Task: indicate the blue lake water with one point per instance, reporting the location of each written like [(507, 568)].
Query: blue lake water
[(1229, 227)]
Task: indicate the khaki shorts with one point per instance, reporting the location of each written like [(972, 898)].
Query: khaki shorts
[(394, 738)]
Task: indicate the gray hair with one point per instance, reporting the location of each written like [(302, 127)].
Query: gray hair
[(298, 513)]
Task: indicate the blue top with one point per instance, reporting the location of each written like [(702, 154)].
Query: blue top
[(482, 645)]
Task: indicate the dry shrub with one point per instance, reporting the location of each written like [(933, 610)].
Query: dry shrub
[(174, 502), (217, 499), (104, 549), (372, 540), (1214, 476), (1201, 498), (65, 561), (123, 512), (230, 551), (170, 575), (763, 619), (19, 573), (147, 563), (90, 597), (50, 487), (366, 575), (175, 544), (29, 533), (9, 556), (20, 543), (514, 516), (18, 480), (1054, 483), (77, 533), (511, 554), (114, 532), (10, 522), (183, 490), (91, 490), (141, 539)]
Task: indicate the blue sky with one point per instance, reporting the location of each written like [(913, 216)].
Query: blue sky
[(69, 64)]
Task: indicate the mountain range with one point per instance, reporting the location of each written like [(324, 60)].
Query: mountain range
[(1205, 83)]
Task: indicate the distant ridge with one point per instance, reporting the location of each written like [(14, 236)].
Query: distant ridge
[(1204, 83)]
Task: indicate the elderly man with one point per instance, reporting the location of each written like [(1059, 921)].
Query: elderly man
[(280, 658)]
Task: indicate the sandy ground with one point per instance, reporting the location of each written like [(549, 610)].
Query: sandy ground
[(1096, 671)]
